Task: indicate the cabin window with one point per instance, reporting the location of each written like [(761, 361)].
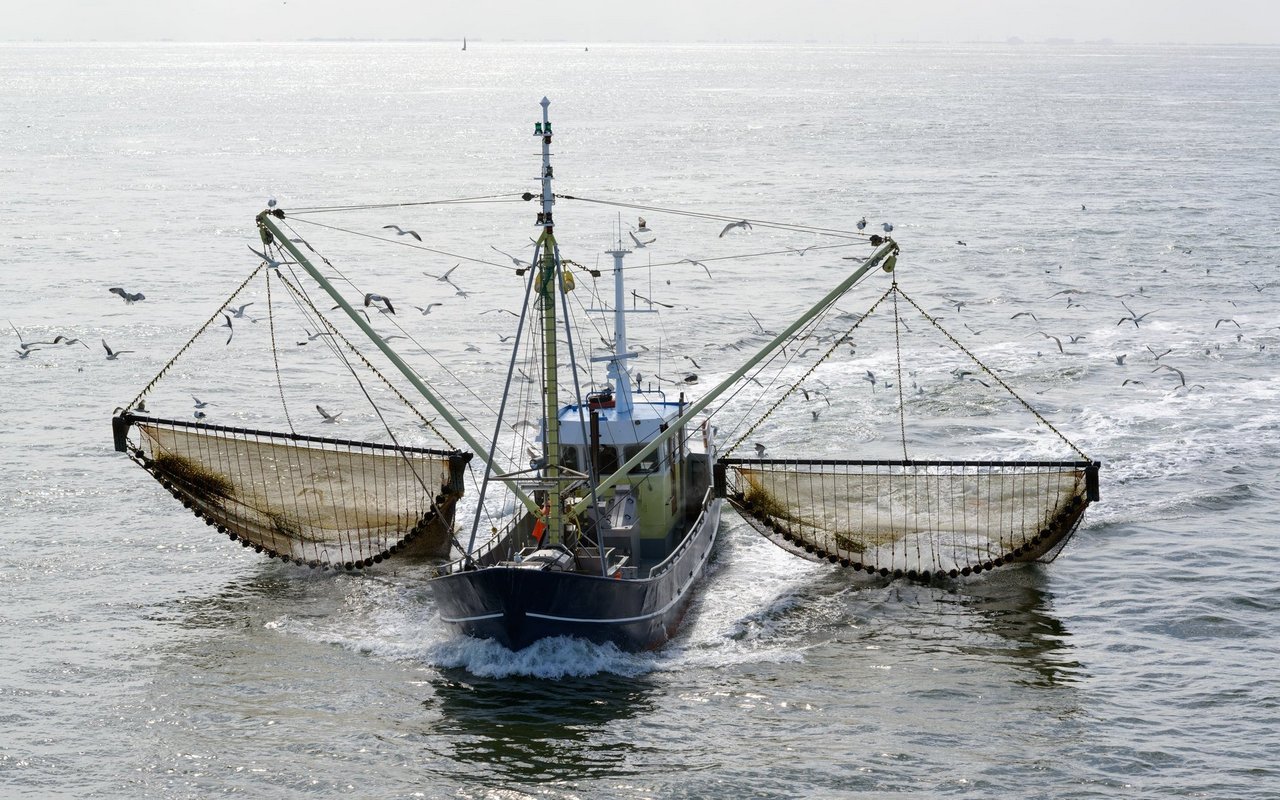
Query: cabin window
[(648, 466), (569, 458), (609, 462)]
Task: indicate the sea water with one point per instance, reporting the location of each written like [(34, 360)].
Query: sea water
[(146, 656)]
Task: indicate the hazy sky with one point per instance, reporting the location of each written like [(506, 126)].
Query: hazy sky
[(853, 21)]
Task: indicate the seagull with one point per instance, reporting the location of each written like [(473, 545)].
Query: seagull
[(1025, 314), (815, 414), (961, 243), (370, 298), (695, 263), (1128, 381), (201, 403), (112, 355), (238, 313), (427, 310), (1120, 359), (1159, 356), (887, 227), (639, 243), (445, 276), (199, 414), (1134, 318), (1228, 319), (312, 337), (1054, 338), (695, 364), (230, 330), (402, 232), (647, 300), (514, 260), (862, 223), (644, 228), (1181, 377), (760, 450), (26, 345), (129, 297), (740, 224), (761, 328), (501, 311), (60, 339), (327, 416), (270, 262), (802, 251), (870, 377)]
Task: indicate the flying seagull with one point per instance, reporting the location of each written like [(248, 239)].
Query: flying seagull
[(201, 403), (370, 298), (695, 263), (740, 224), (514, 260), (231, 331), (445, 276), (112, 355), (639, 243), (270, 262), (327, 416), (427, 310), (760, 450), (402, 231), (129, 297)]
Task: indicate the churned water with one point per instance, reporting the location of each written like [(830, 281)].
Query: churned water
[(145, 656)]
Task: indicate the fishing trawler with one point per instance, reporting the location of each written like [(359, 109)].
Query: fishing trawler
[(610, 521)]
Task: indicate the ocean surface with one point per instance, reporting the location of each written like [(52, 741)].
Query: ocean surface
[(145, 656)]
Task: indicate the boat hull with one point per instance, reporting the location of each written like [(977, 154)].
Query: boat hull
[(517, 606)]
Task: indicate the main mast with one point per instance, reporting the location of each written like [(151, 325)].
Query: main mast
[(547, 274)]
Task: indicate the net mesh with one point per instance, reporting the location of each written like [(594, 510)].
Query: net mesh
[(322, 502), (914, 518)]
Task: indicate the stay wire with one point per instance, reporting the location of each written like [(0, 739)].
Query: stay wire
[(719, 217)]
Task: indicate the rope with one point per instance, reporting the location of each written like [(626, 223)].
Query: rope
[(897, 348), (275, 355)]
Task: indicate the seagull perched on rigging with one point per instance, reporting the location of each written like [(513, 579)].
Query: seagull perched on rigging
[(129, 297), (402, 231), (370, 298), (887, 227), (327, 416), (112, 355), (739, 224), (862, 224)]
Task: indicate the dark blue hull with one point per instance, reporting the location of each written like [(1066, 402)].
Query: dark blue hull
[(517, 605)]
